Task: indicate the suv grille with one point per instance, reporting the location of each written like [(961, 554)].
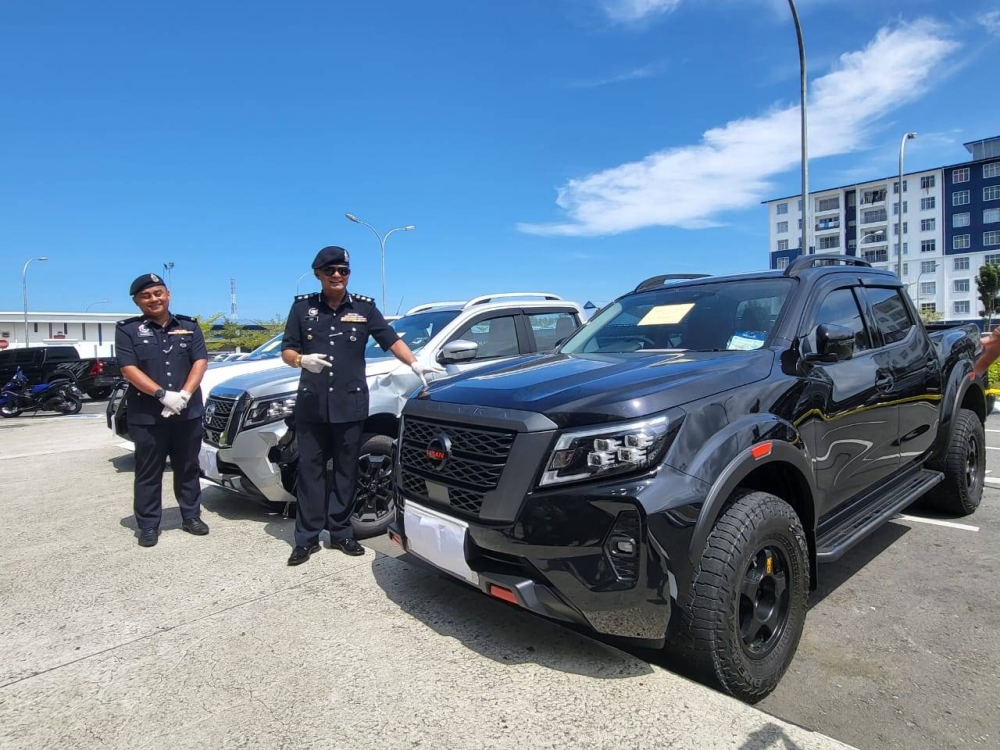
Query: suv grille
[(472, 469), (218, 412)]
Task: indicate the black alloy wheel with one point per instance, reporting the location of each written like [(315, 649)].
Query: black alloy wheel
[(763, 605), (374, 502), (972, 473), (963, 466)]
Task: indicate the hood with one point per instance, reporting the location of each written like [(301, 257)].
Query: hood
[(277, 377), (579, 389), (222, 372)]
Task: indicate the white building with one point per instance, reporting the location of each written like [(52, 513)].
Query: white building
[(950, 223), (93, 334)]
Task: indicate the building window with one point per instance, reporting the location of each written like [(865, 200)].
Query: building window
[(826, 243), (961, 264), (828, 204), (895, 208), (800, 205), (960, 220), (928, 266), (928, 307), (782, 208), (906, 228), (992, 259), (991, 215), (961, 285), (782, 244), (928, 288), (36, 327), (906, 268), (959, 175), (876, 256), (927, 182), (991, 238), (927, 225), (782, 227), (782, 263), (962, 308), (83, 335), (961, 242), (895, 187), (991, 193), (928, 246), (926, 204), (800, 223), (873, 217), (906, 248), (991, 170), (50, 330), (960, 198)]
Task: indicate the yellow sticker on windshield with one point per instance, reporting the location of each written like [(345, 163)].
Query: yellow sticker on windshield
[(663, 315)]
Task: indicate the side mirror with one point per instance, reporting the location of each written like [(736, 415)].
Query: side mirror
[(458, 351), (835, 344)]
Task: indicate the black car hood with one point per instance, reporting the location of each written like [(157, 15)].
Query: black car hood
[(576, 389)]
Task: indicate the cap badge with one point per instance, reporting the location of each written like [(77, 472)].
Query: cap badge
[(154, 277)]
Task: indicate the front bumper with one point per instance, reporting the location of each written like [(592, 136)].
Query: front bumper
[(245, 467)]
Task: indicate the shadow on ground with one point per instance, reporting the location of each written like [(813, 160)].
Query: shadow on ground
[(769, 737), (498, 631)]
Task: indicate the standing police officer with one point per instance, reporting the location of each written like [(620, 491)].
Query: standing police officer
[(325, 335), (164, 358)]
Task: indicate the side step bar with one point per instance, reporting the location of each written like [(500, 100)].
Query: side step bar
[(832, 543)]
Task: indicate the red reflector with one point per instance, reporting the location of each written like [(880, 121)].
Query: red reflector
[(394, 537), (760, 451), (501, 593), (972, 376)]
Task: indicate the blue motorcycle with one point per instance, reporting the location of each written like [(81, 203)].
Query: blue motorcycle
[(59, 395)]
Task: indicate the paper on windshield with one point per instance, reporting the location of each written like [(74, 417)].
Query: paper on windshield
[(663, 315), (745, 341)]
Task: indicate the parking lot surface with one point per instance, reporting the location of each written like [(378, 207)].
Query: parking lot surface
[(214, 642)]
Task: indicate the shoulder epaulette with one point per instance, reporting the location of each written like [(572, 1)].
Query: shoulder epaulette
[(125, 322), (363, 298), (185, 317), (301, 297)]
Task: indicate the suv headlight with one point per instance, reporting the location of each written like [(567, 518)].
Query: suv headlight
[(603, 451), (270, 410)]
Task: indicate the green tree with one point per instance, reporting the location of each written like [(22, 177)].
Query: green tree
[(207, 325), (988, 284), (931, 316)]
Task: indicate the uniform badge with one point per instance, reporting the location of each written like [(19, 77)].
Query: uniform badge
[(154, 277), (144, 330), (314, 311), (184, 345), (353, 318)]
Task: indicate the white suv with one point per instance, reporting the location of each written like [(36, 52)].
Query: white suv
[(249, 441)]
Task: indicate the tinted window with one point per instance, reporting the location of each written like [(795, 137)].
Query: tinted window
[(550, 328), (416, 330), (735, 315), (496, 337), (841, 308), (270, 349), (891, 314), (62, 354)]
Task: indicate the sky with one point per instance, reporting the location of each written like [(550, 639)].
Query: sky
[(567, 146)]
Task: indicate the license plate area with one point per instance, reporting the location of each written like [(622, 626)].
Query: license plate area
[(438, 539)]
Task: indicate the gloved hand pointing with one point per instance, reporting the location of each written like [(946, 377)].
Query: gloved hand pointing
[(315, 362), (421, 370)]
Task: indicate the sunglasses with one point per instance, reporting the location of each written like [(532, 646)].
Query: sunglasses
[(331, 270)]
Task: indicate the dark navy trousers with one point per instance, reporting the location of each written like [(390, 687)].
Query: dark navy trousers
[(326, 499), (181, 441)]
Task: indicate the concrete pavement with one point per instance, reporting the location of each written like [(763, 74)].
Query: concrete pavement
[(214, 642)]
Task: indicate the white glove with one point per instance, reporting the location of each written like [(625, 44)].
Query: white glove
[(314, 362), (421, 370), (174, 401)]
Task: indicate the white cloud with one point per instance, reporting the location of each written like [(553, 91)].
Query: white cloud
[(644, 71), (731, 168), (634, 11), (990, 21)]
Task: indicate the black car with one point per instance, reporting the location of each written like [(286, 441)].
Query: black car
[(41, 364), (677, 470)]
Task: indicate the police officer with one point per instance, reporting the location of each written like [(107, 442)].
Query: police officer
[(325, 335), (163, 356)]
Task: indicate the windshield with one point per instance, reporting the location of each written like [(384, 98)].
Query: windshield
[(268, 350), (732, 315), (415, 330)]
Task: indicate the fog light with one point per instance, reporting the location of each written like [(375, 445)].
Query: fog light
[(626, 547)]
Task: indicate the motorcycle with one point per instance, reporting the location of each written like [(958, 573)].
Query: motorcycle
[(60, 395)]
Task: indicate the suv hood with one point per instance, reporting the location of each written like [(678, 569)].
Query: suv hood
[(279, 378), (580, 389)]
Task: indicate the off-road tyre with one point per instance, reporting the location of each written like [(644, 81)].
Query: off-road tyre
[(964, 467), (99, 394), (754, 527), (374, 500)]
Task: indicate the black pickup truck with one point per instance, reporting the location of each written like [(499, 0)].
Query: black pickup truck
[(677, 470), (95, 376)]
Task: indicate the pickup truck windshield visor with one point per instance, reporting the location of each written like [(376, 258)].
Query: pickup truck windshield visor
[(722, 316)]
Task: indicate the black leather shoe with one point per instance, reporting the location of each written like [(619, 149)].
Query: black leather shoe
[(148, 537), (301, 554), (195, 526), (348, 547)]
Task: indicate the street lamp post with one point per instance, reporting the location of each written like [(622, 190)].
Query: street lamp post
[(381, 242), (100, 302), (805, 130), (919, 275), (307, 273), (899, 216), (24, 294), (167, 268)]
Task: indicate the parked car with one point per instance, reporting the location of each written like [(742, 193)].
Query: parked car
[(249, 433), (677, 470), (40, 364)]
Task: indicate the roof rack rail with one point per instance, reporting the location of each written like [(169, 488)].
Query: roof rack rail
[(431, 305), (507, 295), (803, 262), (655, 281)]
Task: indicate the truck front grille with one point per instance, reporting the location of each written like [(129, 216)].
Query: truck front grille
[(472, 468), (218, 413)]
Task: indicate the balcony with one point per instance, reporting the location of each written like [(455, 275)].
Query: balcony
[(876, 256), (828, 225), (871, 198), (874, 217)]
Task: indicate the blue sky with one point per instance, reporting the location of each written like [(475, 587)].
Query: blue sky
[(573, 146)]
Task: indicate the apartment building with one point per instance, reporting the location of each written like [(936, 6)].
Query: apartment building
[(950, 222)]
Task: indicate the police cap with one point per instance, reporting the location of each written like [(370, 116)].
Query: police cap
[(332, 256), (146, 280)]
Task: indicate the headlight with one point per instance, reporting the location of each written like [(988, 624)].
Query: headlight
[(270, 410), (601, 451)]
